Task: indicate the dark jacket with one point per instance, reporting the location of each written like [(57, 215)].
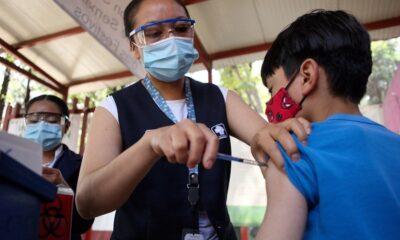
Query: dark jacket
[(158, 207), (69, 165)]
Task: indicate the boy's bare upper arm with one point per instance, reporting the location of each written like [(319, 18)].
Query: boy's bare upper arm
[(286, 214), (104, 142)]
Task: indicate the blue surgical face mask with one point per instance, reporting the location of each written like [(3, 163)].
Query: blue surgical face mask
[(49, 135), (170, 59)]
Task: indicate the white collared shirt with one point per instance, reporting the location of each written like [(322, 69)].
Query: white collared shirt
[(57, 155)]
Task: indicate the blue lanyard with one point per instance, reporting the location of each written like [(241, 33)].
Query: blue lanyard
[(162, 104)]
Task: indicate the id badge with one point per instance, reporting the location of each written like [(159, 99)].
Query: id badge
[(190, 234)]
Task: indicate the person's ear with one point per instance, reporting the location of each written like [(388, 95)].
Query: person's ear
[(309, 70), (66, 127)]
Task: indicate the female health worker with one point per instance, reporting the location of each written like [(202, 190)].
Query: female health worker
[(47, 121), (138, 132)]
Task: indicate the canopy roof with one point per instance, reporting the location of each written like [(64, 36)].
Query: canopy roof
[(63, 55)]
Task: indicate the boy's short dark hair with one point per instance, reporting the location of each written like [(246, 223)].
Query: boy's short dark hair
[(335, 40), (131, 10)]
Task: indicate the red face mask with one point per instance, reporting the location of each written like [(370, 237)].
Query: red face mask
[(281, 106)]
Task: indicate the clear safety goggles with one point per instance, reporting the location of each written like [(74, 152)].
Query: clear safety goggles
[(153, 32), (46, 117)]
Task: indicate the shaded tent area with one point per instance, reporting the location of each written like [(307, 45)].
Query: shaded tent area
[(79, 46)]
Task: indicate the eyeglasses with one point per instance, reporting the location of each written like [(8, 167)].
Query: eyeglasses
[(155, 31), (45, 116)]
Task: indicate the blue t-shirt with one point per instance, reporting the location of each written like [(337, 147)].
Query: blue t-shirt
[(349, 174)]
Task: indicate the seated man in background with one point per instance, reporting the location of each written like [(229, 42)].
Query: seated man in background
[(346, 182)]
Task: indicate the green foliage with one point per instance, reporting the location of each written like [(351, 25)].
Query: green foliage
[(246, 216), (95, 97), (242, 79), (17, 88), (385, 57)]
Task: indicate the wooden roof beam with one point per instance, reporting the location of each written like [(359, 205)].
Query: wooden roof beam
[(190, 2), (28, 62), (203, 55), (68, 32), (107, 77), (240, 51), (29, 74), (49, 37), (386, 23), (376, 25)]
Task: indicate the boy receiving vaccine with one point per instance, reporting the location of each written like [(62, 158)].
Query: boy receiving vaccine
[(345, 184)]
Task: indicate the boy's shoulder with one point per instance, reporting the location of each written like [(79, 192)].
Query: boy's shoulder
[(346, 124), (344, 131)]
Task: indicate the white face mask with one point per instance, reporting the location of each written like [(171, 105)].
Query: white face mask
[(48, 135), (170, 59)]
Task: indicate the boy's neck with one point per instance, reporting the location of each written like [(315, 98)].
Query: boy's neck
[(334, 105)]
